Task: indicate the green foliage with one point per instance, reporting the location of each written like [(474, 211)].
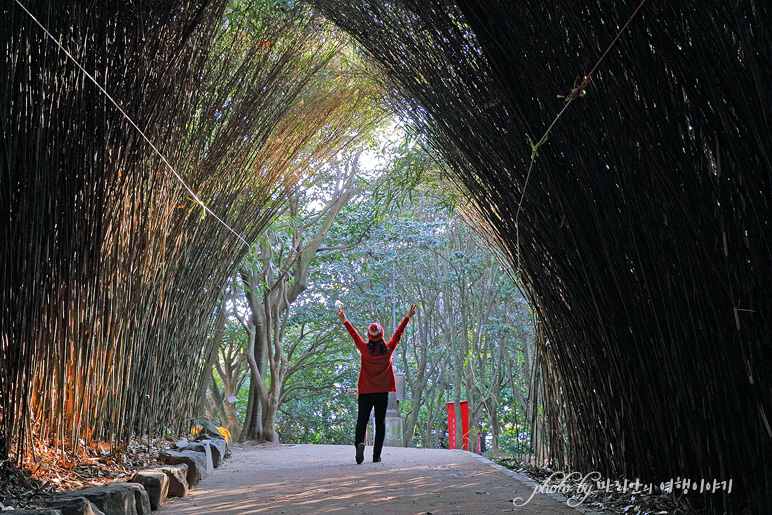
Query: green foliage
[(251, 15), (515, 441), (320, 410), (398, 241), (422, 252)]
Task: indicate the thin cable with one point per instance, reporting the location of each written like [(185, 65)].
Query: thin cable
[(616, 38), (155, 149), (573, 95)]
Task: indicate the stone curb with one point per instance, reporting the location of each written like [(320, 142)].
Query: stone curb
[(135, 500), (530, 483)]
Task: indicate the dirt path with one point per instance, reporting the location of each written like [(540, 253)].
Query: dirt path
[(306, 479)]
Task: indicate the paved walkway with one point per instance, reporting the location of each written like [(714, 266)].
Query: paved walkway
[(305, 479)]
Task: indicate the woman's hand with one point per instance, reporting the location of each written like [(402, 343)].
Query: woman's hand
[(342, 315), (412, 311)]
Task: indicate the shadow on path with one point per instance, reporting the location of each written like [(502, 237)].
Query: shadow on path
[(326, 479)]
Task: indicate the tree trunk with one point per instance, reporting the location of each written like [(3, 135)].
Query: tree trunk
[(253, 423), (493, 405), (272, 405), (269, 300), (493, 417), (417, 383), (441, 409), (218, 407), (457, 408), (275, 304), (219, 326), (231, 420)]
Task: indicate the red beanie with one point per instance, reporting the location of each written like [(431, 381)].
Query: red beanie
[(375, 331)]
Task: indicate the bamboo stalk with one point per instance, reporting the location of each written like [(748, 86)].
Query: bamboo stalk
[(636, 242)]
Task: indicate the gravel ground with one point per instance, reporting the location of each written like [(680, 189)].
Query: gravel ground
[(302, 479)]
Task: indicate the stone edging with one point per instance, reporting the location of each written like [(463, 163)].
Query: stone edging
[(531, 483)]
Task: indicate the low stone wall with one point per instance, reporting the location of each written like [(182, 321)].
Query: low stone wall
[(180, 469)]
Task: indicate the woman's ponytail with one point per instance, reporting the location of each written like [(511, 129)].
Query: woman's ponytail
[(377, 347)]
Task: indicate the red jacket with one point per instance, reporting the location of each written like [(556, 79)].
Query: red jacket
[(376, 374)]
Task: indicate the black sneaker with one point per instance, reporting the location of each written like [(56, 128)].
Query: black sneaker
[(360, 453), (376, 459)]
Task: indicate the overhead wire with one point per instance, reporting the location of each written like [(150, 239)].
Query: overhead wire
[(133, 124)]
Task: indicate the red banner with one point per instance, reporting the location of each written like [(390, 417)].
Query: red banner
[(452, 424)]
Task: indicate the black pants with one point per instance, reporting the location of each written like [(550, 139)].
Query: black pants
[(368, 401)]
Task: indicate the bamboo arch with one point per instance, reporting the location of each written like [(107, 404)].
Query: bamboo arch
[(643, 235)]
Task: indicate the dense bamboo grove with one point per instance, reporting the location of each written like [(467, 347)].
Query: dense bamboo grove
[(62, 162), (110, 268), (643, 235)]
